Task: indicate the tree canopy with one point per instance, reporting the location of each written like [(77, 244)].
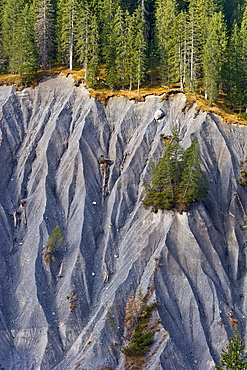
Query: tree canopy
[(177, 180), (200, 44), (233, 356)]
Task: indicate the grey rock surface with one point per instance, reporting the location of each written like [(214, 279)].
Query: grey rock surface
[(51, 140)]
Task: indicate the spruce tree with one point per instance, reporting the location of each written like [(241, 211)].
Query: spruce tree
[(200, 13), (181, 50), (107, 13), (10, 12), (87, 42), (193, 185), (139, 47), (160, 194), (233, 357), (45, 31), (213, 56), (243, 36), (120, 32), (65, 30), (166, 11), (235, 75), (177, 180), (22, 57), (93, 64)]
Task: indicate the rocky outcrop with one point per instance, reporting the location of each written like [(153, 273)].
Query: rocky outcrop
[(54, 315)]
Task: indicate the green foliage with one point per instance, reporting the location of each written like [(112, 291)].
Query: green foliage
[(176, 40), (45, 31), (233, 357), (139, 343), (234, 69), (193, 184), (65, 27), (54, 242), (18, 36), (213, 56), (112, 322), (177, 180), (87, 42), (137, 319), (166, 12)]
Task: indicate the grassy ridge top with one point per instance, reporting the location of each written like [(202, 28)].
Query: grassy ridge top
[(102, 92)]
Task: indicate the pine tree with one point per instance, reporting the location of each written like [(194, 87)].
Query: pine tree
[(45, 31), (213, 56), (233, 357)]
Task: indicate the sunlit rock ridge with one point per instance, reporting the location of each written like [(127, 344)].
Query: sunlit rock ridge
[(54, 315)]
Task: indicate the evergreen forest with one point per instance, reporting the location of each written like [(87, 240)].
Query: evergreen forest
[(199, 44)]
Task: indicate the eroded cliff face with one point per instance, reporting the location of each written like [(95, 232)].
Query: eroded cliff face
[(54, 315)]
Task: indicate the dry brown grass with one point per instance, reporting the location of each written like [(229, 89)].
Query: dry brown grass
[(102, 92), (219, 108)]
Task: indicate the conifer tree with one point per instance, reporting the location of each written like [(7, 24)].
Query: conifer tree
[(193, 185), (54, 242), (166, 11), (139, 46), (120, 31), (87, 42), (213, 56), (243, 36), (177, 180), (45, 31), (106, 14), (200, 13), (66, 15), (93, 65), (234, 70), (233, 357), (22, 57), (130, 65), (160, 194), (10, 13), (2, 59), (181, 54)]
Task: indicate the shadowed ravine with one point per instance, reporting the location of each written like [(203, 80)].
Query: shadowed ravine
[(51, 138)]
